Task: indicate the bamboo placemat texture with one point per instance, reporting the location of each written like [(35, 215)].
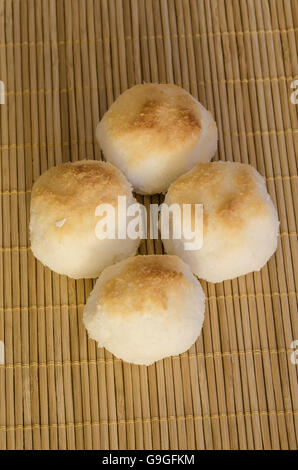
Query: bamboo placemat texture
[(63, 62)]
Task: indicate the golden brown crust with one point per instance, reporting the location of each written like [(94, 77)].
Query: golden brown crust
[(165, 114), (143, 280), (165, 117), (231, 194), (203, 177), (73, 184), (72, 191)]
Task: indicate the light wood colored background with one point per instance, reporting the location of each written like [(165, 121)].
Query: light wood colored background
[(63, 62)]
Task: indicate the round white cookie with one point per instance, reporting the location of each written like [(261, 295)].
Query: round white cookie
[(146, 308), (63, 220), (240, 223), (155, 133)]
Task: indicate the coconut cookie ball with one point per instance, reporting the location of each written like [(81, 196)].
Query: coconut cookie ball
[(240, 223), (155, 133), (146, 308), (63, 219)]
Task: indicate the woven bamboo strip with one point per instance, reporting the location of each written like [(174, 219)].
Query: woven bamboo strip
[(275, 31), (9, 168), (4, 138), (27, 177), (280, 196), (169, 418)]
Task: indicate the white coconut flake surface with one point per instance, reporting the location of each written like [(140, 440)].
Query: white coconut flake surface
[(60, 223)]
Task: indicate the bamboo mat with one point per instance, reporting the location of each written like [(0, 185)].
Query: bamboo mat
[(63, 62)]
